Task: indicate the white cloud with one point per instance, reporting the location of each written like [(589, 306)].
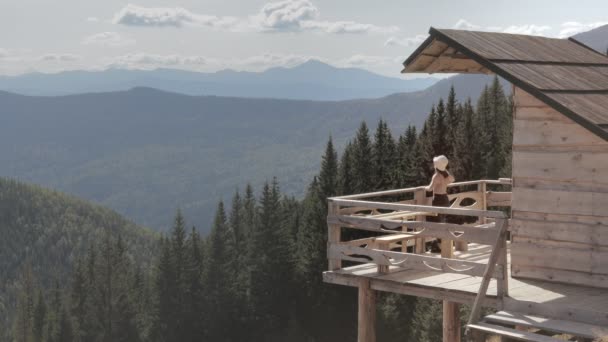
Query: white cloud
[(528, 29), (286, 15), (150, 61), (462, 24), (339, 27), (147, 61), (280, 16), (566, 29), (93, 19), (265, 61), (407, 42), (132, 15), (532, 30), (59, 57), (571, 28), (109, 39), (367, 61), (303, 15)]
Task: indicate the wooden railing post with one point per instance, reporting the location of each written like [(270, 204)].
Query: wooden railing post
[(462, 246), (420, 199), (482, 188), (334, 235)]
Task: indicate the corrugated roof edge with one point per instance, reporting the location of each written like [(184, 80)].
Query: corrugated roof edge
[(437, 34)]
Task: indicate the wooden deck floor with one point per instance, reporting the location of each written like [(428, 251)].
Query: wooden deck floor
[(577, 303)]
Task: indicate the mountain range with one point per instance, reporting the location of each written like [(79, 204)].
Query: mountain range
[(144, 152), (312, 80), (596, 38)]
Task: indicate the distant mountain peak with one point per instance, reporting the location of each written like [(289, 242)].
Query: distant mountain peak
[(597, 38)]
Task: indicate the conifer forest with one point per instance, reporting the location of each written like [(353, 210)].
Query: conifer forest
[(257, 276)]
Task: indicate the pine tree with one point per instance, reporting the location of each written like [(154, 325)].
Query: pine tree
[(346, 184), (165, 290), (362, 161), (466, 147), (65, 332), (193, 310), (218, 278), (383, 157), (328, 176), (39, 322), (23, 331), (79, 292), (427, 320), (405, 166), (484, 137), (452, 122), (270, 268), (440, 134)]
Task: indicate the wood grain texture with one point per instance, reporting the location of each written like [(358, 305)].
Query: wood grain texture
[(367, 312)]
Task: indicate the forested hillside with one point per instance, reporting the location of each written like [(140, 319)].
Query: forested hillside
[(257, 275), (45, 232), (143, 151)]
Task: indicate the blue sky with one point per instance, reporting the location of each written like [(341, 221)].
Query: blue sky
[(210, 35)]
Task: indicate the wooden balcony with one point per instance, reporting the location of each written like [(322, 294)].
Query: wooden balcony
[(381, 242)]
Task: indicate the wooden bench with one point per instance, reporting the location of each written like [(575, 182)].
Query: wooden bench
[(384, 243)]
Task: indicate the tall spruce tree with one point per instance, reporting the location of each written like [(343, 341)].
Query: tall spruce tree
[(328, 176), (452, 119), (465, 147), (362, 161), (39, 319), (346, 184), (440, 133), (383, 159), (218, 276)]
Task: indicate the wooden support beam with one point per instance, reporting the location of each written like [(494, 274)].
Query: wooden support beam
[(451, 312), (334, 236), (367, 312), (451, 322)]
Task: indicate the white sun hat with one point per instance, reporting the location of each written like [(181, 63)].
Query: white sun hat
[(440, 162)]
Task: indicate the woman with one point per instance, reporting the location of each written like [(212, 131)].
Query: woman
[(439, 184)]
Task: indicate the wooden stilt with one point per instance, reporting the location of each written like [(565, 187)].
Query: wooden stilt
[(451, 312), (451, 322), (367, 312)]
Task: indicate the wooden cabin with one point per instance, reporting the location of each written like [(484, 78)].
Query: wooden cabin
[(544, 266)]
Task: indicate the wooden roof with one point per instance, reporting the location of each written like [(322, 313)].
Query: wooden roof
[(565, 74)]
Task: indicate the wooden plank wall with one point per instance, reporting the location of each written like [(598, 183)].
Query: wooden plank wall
[(560, 197)]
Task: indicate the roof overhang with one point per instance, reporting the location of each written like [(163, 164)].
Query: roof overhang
[(436, 55), (440, 53)]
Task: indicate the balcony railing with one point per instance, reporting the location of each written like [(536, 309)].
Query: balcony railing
[(400, 231)]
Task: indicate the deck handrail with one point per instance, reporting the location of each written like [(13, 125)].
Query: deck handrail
[(406, 221), (501, 181)]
